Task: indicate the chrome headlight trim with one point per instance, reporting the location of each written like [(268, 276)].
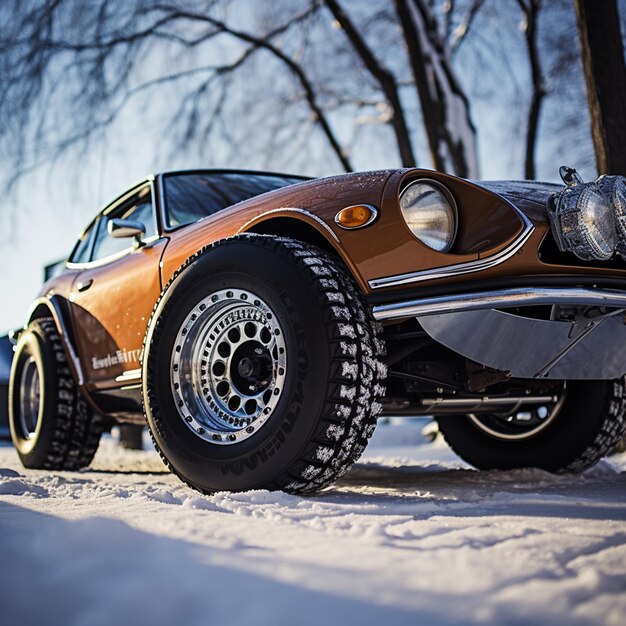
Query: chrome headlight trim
[(467, 267), (449, 198)]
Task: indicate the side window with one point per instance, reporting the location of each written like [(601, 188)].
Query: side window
[(82, 248), (139, 209)]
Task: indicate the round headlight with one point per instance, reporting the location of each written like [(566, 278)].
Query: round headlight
[(583, 222), (614, 188), (430, 213)]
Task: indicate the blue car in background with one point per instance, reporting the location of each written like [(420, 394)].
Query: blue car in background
[(6, 354)]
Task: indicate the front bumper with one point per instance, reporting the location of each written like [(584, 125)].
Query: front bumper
[(502, 299), (491, 328)]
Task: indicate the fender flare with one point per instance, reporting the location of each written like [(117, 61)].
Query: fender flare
[(272, 223), (54, 306)]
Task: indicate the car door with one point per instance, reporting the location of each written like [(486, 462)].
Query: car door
[(114, 293)]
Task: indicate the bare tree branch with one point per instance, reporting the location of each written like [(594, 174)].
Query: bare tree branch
[(460, 33), (294, 67), (37, 48), (449, 11), (445, 107), (383, 76)]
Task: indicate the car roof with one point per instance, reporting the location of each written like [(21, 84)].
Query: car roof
[(231, 171), (151, 177)]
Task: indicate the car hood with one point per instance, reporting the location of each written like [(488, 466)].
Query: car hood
[(528, 196)]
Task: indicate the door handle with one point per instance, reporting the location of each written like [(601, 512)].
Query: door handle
[(83, 286)]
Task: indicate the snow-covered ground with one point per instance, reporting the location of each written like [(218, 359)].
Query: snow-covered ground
[(410, 536)]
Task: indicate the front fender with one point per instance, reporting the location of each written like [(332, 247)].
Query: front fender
[(305, 226), (56, 307)]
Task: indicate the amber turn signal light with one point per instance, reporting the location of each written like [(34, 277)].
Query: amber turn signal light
[(356, 216)]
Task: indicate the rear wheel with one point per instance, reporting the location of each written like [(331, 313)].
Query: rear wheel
[(262, 368), (582, 425), (51, 425)]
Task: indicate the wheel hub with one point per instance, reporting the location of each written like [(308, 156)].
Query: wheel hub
[(228, 366), (520, 424), (251, 370), (29, 398)]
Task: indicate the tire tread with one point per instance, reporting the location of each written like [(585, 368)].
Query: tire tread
[(355, 385), (76, 431)]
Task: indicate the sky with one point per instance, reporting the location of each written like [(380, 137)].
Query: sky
[(40, 222)]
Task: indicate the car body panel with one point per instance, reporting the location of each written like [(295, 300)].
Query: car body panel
[(110, 318), (313, 202)]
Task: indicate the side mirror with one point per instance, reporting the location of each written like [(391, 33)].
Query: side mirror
[(122, 229)]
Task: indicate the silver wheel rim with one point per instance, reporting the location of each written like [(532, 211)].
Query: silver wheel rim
[(30, 398), (540, 422), (228, 366)]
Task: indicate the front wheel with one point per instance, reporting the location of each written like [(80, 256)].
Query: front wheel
[(584, 424), (262, 368)]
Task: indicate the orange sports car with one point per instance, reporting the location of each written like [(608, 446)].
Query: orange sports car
[(261, 323)]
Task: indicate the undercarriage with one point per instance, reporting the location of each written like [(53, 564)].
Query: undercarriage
[(426, 378)]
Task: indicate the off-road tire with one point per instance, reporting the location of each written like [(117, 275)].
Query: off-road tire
[(68, 432), (589, 425), (335, 372)]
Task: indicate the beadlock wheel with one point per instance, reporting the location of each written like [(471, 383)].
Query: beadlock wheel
[(228, 366)]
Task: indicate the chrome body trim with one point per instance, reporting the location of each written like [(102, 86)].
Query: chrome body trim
[(129, 376), (502, 299), (149, 181), (374, 214), (290, 210), (114, 257), (460, 268)]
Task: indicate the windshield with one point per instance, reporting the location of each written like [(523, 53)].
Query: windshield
[(192, 196)]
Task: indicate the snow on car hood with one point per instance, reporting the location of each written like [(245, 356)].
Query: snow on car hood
[(528, 196)]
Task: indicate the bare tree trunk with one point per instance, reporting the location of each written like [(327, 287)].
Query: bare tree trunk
[(531, 10), (445, 107), (384, 78), (432, 120), (605, 74)]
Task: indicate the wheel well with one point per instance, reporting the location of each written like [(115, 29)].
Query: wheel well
[(56, 307), (294, 228), (41, 310)]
